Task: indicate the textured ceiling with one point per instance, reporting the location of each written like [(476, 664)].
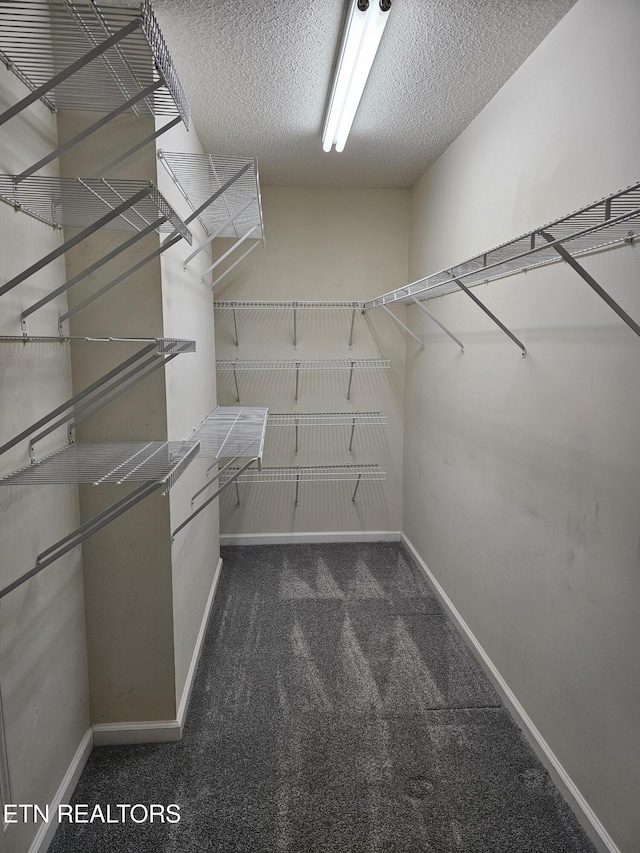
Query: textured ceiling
[(258, 74)]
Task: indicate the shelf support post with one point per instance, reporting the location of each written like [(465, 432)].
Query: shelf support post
[(353, 429), (353, 318), (296, 423), (297, 379), (297, 488), (235, 379), (104, 170), (489, 313), (349, 385), (235, 326), (402, 326), (355, 491), (592, 282), (295, 328), (436, 321), (235, 482)]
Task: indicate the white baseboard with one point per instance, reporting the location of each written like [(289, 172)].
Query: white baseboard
[(587, 817), (311, 538), (47, 830), (160, 731), (146, 731), (183, 705)]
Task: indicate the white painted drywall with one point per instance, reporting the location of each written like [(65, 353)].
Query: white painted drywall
[(522, 476), (43, 659), (187, 306), (321, 244)]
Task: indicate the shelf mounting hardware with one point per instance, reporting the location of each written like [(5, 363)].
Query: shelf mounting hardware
[(403, 326), (437, 322), (591, 282), (490, 314)]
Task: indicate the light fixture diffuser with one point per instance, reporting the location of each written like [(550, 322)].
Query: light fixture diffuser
[(366, 21)]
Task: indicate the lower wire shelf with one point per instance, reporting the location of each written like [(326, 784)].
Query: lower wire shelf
[(157, 465), (305, 474)]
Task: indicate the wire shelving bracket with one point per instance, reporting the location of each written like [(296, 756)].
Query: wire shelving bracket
[(157, 465), (612, 221), (290, 305), (304, 364), (224, 193), (83, 56)]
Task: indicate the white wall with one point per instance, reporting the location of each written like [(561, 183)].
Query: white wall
[(187, 306), (43, 659), (522, 476), (321, 244)]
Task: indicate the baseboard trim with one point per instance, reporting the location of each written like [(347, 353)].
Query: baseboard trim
[(146, 731), (47, 830), (310, 537), (587, 817), (160, 731), (183, 706)]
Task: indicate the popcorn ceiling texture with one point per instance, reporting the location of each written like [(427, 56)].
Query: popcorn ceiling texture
[(258, 76), (335, 710)]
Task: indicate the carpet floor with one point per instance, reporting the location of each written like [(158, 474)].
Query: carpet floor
[(335, 710)]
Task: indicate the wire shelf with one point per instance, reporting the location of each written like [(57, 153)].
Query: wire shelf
[(40, 39), (78, 202), (295, 474), (287, 419), (237, 211), (608, 222), (232, 431), (306, 364), (153, 461), (230, 305)]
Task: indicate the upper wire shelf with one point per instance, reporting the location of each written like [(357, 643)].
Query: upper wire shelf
[(117, 462), (608, 222), (308, 473), (39, 40)]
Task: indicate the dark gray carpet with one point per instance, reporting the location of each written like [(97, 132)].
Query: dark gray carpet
[(336, 710)]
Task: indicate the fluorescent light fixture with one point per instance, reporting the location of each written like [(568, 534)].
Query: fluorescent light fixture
[(365, 24)]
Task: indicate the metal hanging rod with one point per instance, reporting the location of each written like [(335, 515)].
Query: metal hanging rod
[(304, 364), (154, 355), (305, 474), (228, 431), (289, 305), (156, 464), (612, 221), (90, 204), (281, 419), (84, 56)]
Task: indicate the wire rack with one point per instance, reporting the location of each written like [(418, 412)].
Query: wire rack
[(117, 462), (235, 212), (287, 419), (608, 222), (295, 474), (78, 202), (40, 39), (306, 364), (231, 305), (236, 431)]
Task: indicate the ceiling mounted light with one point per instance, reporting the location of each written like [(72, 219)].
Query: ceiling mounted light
[(365, 24)]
